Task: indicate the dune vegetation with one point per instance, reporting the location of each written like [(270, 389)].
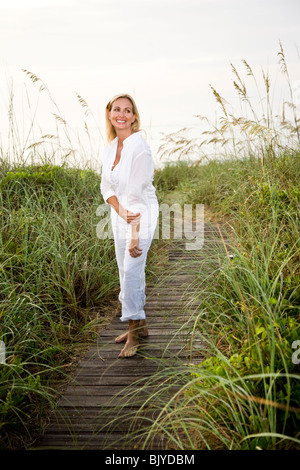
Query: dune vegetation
[(59, 281)]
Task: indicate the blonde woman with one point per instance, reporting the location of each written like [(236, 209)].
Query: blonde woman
[(126, 185)]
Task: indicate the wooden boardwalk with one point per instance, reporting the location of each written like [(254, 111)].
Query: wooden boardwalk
[(107, 396)]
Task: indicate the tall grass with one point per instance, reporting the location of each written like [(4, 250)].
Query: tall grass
[(56, 278), (245, 394), (59, 281), (29, 142), (262, 127)]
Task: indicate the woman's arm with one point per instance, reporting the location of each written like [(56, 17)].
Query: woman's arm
[(129, 216), (132, 219), (142, 172), (105, 186), (141, 175)]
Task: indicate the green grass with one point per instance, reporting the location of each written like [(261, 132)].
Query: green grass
[(246, 392), (59, 285), (56, 278)]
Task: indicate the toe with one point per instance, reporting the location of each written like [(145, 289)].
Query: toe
[(128, 351)]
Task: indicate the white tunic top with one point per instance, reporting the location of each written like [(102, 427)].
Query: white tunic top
[(132, 182), (114, 176)]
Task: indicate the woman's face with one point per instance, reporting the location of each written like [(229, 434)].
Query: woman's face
[(121, 115)]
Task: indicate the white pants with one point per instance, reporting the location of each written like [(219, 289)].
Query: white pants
[(132, 270)]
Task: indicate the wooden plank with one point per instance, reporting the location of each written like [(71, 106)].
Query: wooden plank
[(100, 441), (97, 408)]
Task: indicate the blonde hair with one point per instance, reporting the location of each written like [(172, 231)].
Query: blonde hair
[(110, 130)]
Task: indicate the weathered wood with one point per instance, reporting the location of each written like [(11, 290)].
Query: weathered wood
[(107, 395)]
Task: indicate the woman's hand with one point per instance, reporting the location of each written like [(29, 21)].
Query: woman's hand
[(130, 217), (133, 219), (134, 248)]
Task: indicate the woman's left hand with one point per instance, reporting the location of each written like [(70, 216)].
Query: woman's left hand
[(134, 248)]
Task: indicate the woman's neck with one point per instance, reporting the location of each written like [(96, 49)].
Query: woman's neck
[(123, 135)]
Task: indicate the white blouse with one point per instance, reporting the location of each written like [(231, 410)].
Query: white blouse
[(132, 182), (114, 176)]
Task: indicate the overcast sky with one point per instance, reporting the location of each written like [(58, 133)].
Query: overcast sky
[(165, 53)]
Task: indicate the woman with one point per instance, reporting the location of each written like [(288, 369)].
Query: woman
[(126, 185)]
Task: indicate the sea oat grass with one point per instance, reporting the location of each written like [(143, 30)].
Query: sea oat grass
[(246, 392), (56, 279)]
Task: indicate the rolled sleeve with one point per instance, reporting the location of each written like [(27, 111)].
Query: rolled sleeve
[(105, 188), (142, 173), (107, 195)]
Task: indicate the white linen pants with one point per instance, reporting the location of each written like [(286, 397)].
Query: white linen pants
[(132, 270)]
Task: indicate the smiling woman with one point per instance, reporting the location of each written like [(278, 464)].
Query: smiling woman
[(121, 104), (126, 185)]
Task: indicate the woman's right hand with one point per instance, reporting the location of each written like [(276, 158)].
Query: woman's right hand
[(132, 218)]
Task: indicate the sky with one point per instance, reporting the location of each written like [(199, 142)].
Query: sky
[(165, 53)]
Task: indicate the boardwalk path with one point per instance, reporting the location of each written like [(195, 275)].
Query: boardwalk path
[(102, 402)]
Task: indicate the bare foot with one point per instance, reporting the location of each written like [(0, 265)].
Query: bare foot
[(132, 342), (142, 332), (122, 338), (129, 349)]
